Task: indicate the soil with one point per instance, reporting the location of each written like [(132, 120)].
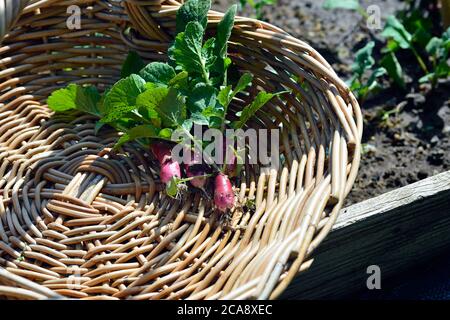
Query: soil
[(413, 142)]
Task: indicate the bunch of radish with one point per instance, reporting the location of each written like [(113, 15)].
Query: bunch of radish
[(151, 102), (196, 172)]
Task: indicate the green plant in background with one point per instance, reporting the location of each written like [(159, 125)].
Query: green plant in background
[(410, 30), (257, 6), (399, 38), (384, 116), (419, 42), (346, 4), (365, 62), (393, 68), (388, 116), (438, 50)]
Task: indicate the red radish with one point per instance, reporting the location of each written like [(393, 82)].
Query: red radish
[(224, 197), (169, 168), (194, 168), (198, 182), (161, 151)]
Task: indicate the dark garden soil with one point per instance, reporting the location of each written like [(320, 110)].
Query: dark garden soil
[(412, 141)]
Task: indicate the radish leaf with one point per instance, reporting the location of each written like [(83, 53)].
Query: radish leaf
[(224, 96), (63, 99), (249, 111), (180, 80), (123, 94), (201, 97), (227, 94), (150, 99), (172, 109), (222, 62), (190, 55), (224, 30), (172, 187), (243, 83), (133, 64), (165, 133), (158, 72), (84, 99), (142, 131), (193, 11)]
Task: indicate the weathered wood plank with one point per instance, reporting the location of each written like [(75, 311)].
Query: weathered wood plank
[(394, 231)]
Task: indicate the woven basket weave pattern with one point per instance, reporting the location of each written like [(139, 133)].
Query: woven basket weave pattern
[(78, 220)]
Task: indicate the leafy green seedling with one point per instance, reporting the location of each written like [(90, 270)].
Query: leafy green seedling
[(418, 25), (393, 68), (399, 37), (365, 62), (346, 4), (384, 115), (438, 50)]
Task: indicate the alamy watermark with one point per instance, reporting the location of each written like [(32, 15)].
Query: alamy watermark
[(374, 280), (373, 20), (74, 280), (73, 22), (372, 14)]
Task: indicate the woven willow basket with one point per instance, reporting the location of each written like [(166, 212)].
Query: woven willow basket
[(80, 221)]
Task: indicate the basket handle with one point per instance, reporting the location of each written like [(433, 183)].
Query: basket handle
[(9, 13)]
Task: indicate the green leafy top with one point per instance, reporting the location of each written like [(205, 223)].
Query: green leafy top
[(439, 51), (191, 55), (133, 64), (151, 101), (364, 62), (261, 99), (396, 30), (193, 11), (157, 72), (412, 33), (72, 97), (363, 59), (224, 30)]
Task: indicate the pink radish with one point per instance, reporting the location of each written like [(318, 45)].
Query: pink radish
[(170, 169), (224, 197), (198, 181), (161, 151), (194, 168)]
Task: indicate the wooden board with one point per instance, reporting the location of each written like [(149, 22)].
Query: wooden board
[(395, 231)]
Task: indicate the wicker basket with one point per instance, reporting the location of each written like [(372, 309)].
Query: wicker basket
[(80, 221)]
